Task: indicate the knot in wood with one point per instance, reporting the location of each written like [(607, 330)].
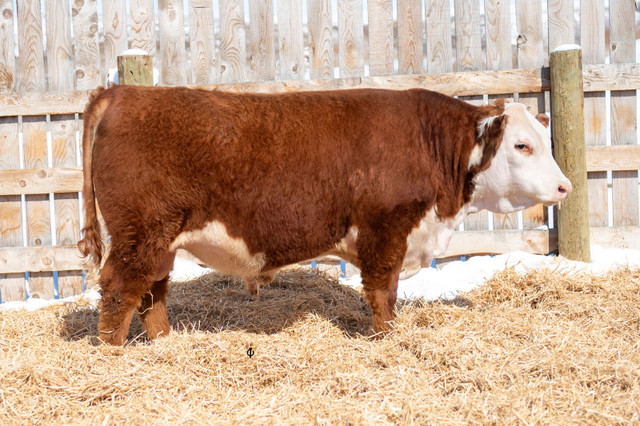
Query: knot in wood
[(42, 174), (522, 39)]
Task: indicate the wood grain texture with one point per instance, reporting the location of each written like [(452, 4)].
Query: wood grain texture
[(31, 78), (261, 38), (561, 25), (15, 181), (40, 259), (203, 50), (59, 50), (143, 33), (321, 56), (381, 51), (350, 38), (12, 286), (592, 32), (615, 157), (172, 48), (291, 40), (468, 35), (233, 50), (530, 52), (438, 24), (624, 237), (410, 37), (498, 30), (7, 44), (623, 112), (497, 242), (114, 23), (87, 51)]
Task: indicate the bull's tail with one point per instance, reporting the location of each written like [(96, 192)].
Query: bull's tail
[(91, 242)]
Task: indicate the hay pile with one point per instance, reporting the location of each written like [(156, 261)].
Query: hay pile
[(544, 348)]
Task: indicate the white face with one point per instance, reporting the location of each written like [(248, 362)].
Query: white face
[(523, 173)]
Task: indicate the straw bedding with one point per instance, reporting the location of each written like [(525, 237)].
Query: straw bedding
[(543, 348)]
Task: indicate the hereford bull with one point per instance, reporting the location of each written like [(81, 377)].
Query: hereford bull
[(249, 183)]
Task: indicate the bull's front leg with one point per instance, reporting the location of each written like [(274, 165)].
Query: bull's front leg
[(381, 253)]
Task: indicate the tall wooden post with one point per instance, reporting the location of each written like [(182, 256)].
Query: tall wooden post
[(567, 121), (135, 69)]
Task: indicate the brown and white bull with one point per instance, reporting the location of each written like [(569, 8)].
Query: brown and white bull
[(249, 183)]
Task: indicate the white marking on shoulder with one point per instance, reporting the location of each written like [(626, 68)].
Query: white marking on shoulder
[(476, 156), (214, 246)]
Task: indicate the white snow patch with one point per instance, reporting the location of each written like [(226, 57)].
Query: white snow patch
[(567, 47), (91, 297), (186, 270)]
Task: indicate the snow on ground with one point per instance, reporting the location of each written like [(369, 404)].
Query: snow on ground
[(429, 283)]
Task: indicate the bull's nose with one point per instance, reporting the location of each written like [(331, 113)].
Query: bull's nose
[(564, 189)]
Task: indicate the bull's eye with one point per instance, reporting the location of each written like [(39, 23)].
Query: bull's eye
[(523, 148)]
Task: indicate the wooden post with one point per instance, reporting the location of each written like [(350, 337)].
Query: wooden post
[(567, 121), (135, 69)]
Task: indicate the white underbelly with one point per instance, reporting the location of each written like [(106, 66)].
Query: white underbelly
[(216, 248)]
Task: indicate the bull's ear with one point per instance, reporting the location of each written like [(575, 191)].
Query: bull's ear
[(543, 119), (492, 140)]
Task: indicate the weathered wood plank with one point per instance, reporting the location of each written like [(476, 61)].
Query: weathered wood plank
[(63, 133), (624, 237), (498, 40), (350, 38), (321, 56), (40, 259), (496, 242), (438, 24), (7, 56), (233, 50), (143, 33), (381, 52), (291, 39), (531, 55), (87, 51), (623, 112), (592, 32), (261, 37), (31, 78), (172, 48), (616, 157), (410, 37), (114, 24), (203, 50), (468, 35), (12, 286), (561, 25), (491, 82)]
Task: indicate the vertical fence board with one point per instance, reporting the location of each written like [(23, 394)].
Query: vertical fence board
[(531, 55), (31, 79), (410, 37), (438, 37), (592, 22), (469, 58), (351, 38), (87, 51), (623, 112), (143, 32), (203, 48), (381, 54), (7, 58), (63, 135), (291, 39), (320, 39), (560, 21), (468, 35), (233, 50), (114, 24), (12, 286), (172, 50), (499, 56), (261, 35)]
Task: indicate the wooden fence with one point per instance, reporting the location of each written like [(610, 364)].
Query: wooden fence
[(53, 51)]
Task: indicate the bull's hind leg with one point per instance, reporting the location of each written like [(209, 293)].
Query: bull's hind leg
[(120, 297), (253, 283), (153, 310), (381, 256)]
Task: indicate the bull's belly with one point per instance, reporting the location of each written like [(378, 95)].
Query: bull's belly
[(216, 248)]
